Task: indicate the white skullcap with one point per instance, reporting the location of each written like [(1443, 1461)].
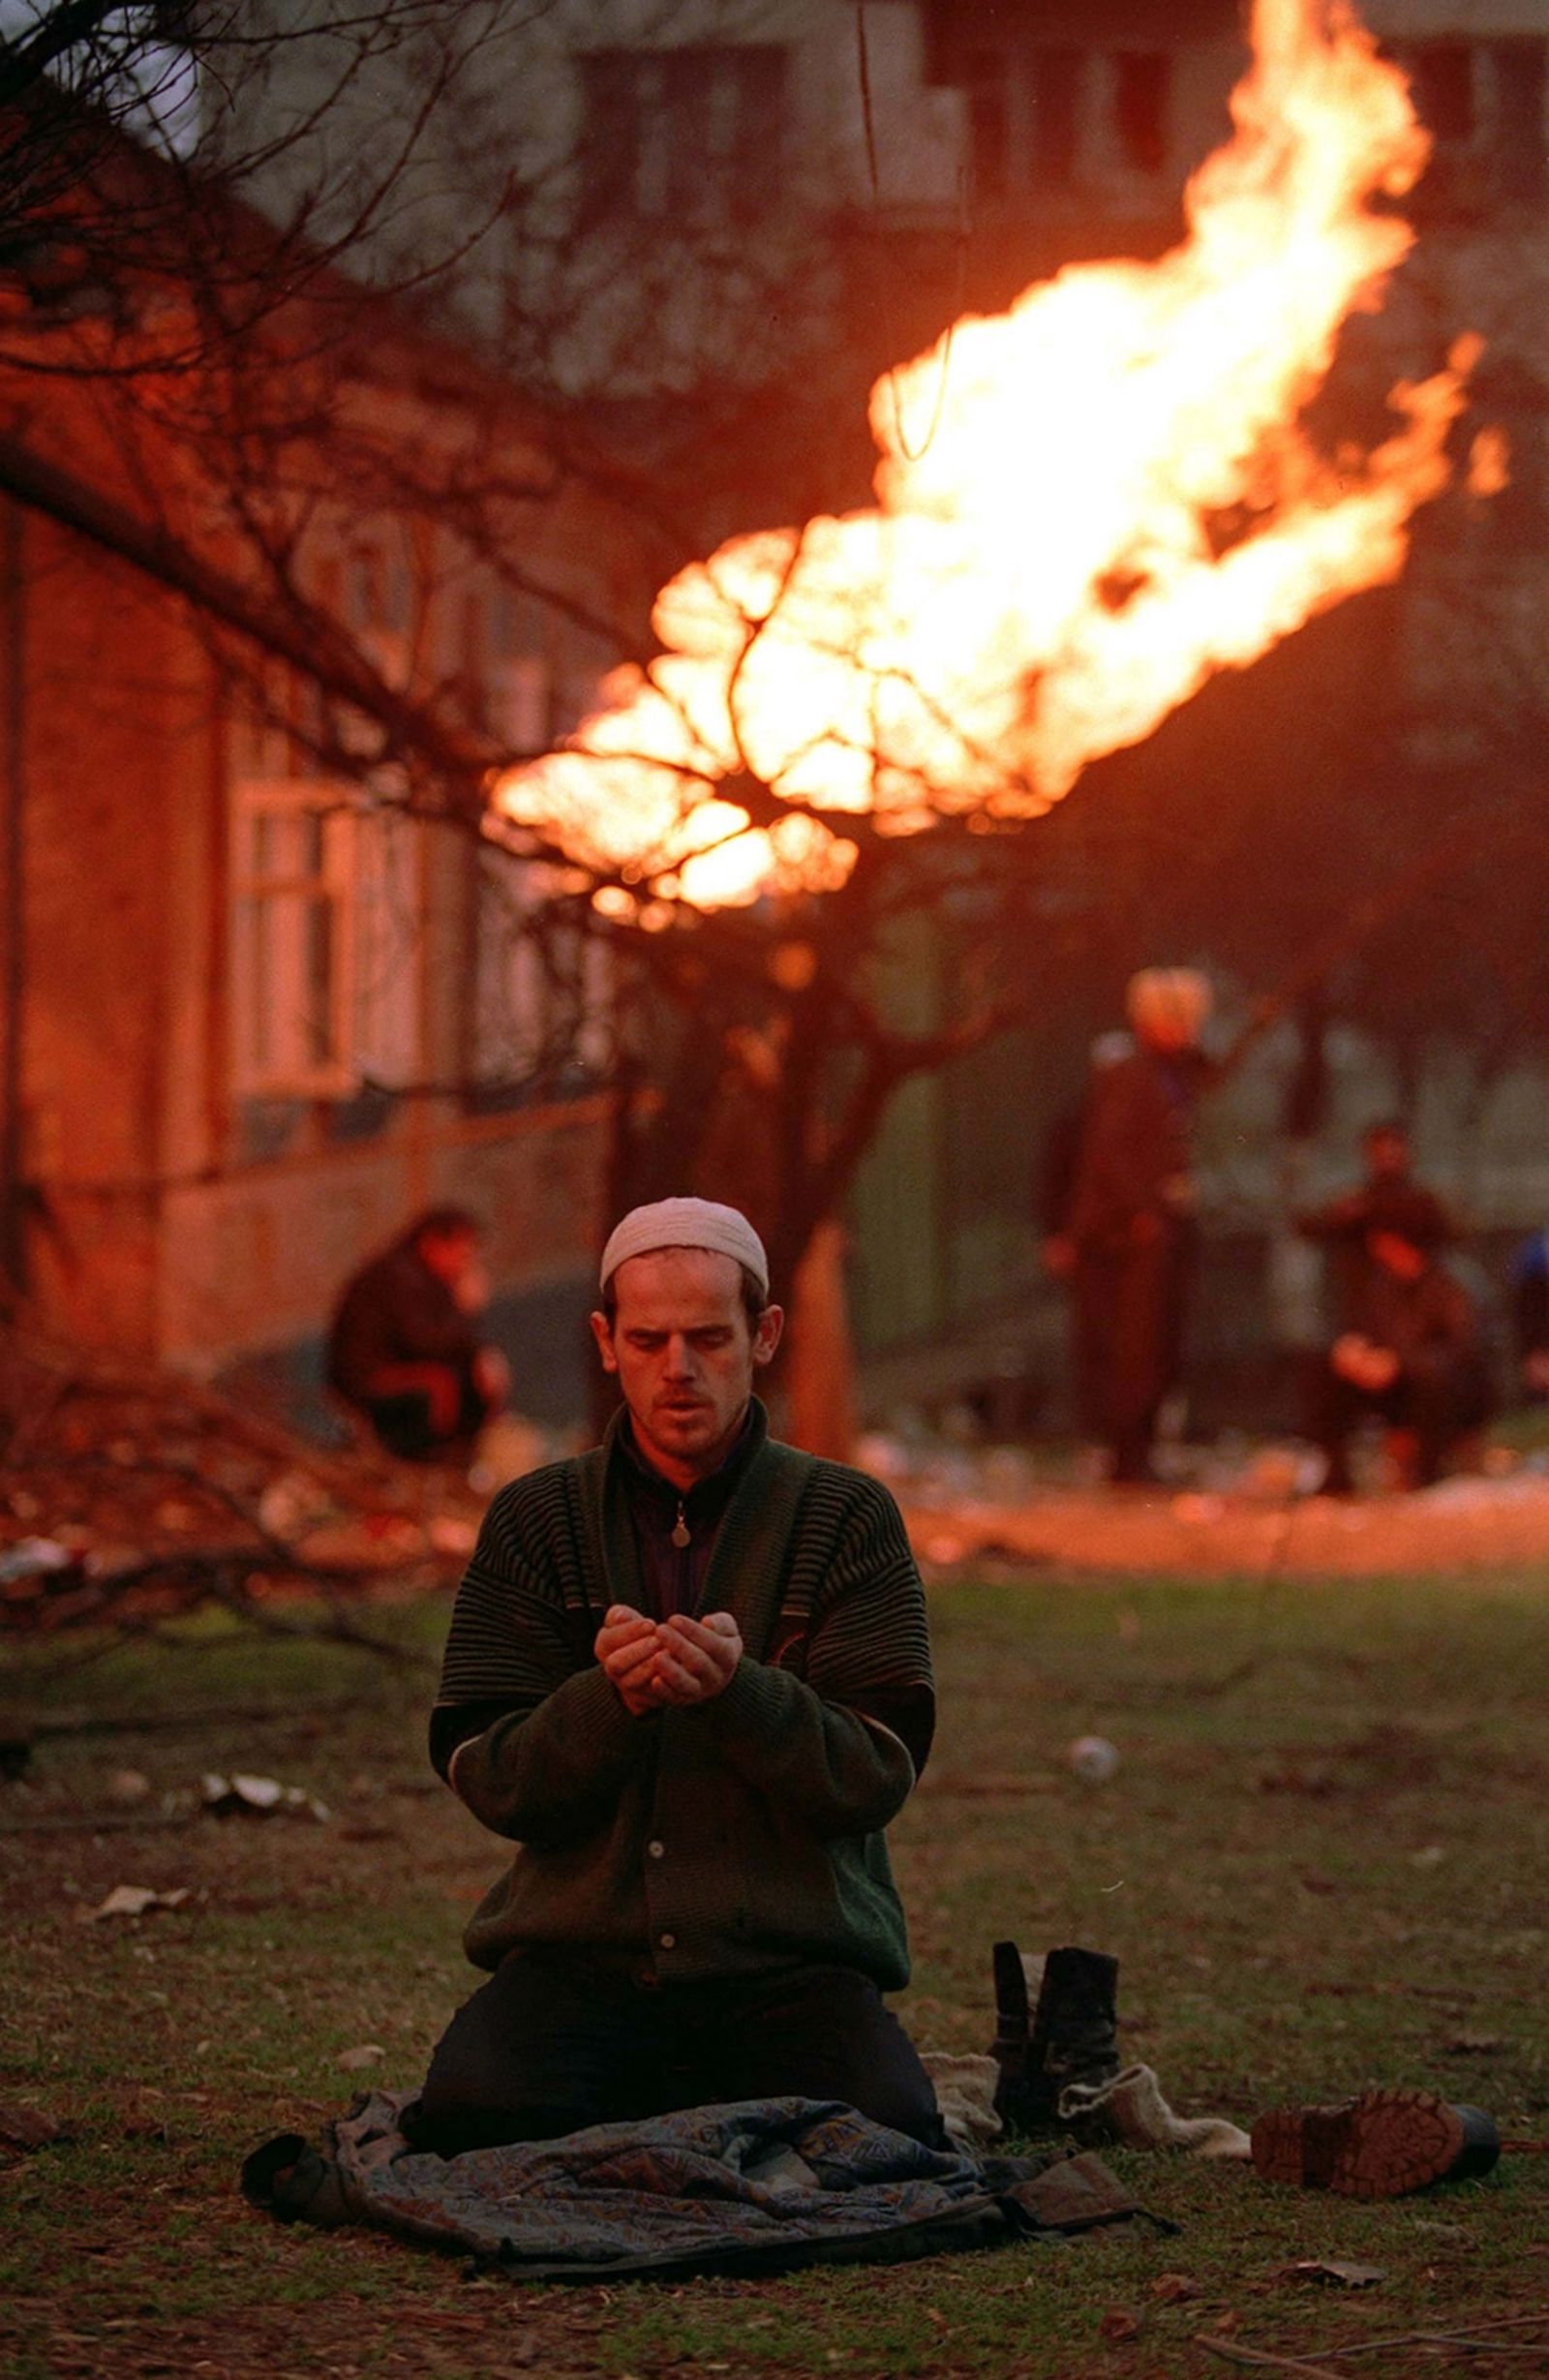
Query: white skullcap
[(686, 1222), (1175, 996)]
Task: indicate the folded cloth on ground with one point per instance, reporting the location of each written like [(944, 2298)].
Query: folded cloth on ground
[(1134, 2113), (757, 2186), (1130, 2109)]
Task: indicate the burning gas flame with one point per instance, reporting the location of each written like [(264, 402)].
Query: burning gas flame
[(1116, 500)]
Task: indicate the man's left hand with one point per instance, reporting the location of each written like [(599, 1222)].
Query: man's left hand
[(695, 1659)]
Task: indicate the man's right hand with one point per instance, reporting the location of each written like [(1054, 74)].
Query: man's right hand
[(626, 1647)]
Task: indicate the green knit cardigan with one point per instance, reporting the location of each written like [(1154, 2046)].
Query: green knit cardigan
[(744, 1832)]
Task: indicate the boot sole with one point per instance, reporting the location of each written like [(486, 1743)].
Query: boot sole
[(1383, 2144)]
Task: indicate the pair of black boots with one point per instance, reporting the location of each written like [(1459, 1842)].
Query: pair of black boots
[(1070, 2036)]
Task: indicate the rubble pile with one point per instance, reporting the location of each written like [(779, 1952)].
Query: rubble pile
[(135, 1494)]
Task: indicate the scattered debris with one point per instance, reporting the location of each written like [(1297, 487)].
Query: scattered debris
[(261, 1797), (1430, 1856), (126, 1785), (1175, 2289), (135, 1498), (136, 1900), (1469, 2044), (34, 1557), (356, 2060)]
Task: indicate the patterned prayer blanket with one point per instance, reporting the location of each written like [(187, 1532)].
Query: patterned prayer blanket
[(759, 2186)]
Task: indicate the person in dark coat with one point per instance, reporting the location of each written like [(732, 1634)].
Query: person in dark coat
[(1412, 1353), (405, 1348), (1386, 1197), (689, 1675), (1410, 1348), (1131, 1222)]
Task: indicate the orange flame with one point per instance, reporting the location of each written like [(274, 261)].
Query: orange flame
[(1048, 579)]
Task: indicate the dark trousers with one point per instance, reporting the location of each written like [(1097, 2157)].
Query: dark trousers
[(403, 1423), (1439, 1404), (551, 2045), (1129, 1308)]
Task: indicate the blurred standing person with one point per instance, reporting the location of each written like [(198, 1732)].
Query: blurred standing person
[(1131, 1218), (405, 1347)]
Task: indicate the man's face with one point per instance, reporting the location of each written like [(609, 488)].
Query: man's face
[(1167, 1033), (449, 1255), (1387, 1155), (683, 1355)]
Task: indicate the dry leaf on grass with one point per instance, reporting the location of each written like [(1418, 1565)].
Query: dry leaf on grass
[(136, 1900), (1174, 2288), (1119, 2325), (367, 2054)]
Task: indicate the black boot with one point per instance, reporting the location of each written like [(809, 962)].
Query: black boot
[(1011, 2045), (1071, 2038)]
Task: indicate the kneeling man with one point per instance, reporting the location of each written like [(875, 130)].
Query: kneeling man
[(689, 1674)]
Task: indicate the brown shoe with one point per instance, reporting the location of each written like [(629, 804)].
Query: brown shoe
[(1379, 2146)]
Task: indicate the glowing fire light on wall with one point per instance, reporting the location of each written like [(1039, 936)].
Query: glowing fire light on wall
[(1116, 500)]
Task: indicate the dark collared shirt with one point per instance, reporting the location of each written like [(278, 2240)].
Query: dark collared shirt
[(674, 1574)]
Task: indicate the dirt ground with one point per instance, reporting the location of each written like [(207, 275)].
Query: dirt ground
[(1462, 1524), (1320, 1864)]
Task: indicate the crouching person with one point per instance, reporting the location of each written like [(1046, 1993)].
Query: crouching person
[(1413, 1356), (689, 1674)]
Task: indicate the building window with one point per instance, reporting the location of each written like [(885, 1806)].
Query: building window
[(290, 953), (1143, 82), (693, 132), (1483, 105), (989, 126), (1520, 74), (1056, 113), (325, 910), (1442, 77)]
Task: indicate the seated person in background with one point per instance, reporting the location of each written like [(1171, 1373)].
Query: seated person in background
[(1529, 1313), (1411, 1352), (1388, 1198), (688, 1676), (405, 1346)]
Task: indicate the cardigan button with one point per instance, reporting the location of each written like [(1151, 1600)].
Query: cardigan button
[(668, 1941), (658, 1850)]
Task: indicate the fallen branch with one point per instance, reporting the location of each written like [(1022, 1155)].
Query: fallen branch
[(1431, 2339), (1260, 2359)]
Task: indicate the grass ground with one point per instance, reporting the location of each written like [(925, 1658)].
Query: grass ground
[(1322, 1863)]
